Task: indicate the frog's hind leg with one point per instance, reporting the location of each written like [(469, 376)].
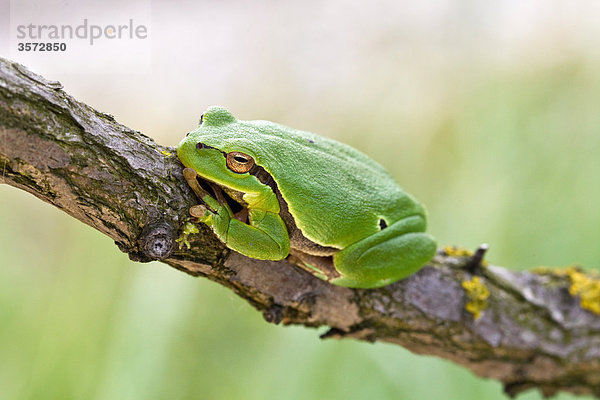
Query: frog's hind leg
[(319, 266), (393, 253)]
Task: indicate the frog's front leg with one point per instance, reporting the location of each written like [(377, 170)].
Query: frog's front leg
[(393, 253), (264, 237)]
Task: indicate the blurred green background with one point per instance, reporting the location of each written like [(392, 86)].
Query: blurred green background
[(488, 113)]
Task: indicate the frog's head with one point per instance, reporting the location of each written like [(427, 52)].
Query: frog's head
[(221, 151)]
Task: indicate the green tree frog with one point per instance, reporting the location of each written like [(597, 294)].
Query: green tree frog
[(269, 192)]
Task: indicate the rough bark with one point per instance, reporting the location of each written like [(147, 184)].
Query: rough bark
[(532, 332)]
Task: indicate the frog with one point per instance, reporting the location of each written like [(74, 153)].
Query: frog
[(271, 192)]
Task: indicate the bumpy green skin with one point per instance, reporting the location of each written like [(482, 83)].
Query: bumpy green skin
[(337, 196)]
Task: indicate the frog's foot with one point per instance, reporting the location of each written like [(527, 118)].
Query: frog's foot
[(320, 266), (198, 211), (191, 177), (206, 190)]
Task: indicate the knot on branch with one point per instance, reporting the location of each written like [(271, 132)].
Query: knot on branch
[(157, 241)]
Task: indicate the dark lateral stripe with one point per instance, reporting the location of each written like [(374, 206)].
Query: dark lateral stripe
[(263, 176)]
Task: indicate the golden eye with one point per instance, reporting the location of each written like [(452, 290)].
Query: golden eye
[(239, 162)]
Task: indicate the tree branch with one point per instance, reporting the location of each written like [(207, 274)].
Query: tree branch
[(532, 332)]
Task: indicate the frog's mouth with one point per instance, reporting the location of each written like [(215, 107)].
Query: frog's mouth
[(202, 187)]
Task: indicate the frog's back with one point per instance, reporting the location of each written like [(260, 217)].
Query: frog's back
[(337, 194)]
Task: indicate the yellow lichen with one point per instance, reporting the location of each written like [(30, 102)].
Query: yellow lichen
[(586, 285), (478, 294), (587, 288), (166, 153), (454, 251), (188, 229), (547, 271)]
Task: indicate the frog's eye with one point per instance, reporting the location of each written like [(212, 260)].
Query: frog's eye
[(199, 145), (239, 162)]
